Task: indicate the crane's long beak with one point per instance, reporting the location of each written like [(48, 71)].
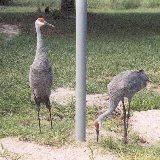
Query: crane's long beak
[(97, 133), (48, 24)]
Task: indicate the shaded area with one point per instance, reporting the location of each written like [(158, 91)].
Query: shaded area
[(63, 25), (135, 24)]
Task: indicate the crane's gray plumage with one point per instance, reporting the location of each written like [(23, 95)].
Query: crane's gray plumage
[(125, 84), (41, 75)]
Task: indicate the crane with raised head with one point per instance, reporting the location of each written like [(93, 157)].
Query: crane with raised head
[(41, 75), (125, 84)]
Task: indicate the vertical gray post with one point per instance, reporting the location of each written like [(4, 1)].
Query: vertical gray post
[(81, 31)]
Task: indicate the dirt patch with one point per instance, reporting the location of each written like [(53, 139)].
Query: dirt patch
[(146, 124), (63, 96), (10, 30), (32, 151)]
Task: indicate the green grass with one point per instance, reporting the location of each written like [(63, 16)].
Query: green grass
[(132, 151), (25, 125), (93, 5), (122, 4), (146, 100), (117, 41)]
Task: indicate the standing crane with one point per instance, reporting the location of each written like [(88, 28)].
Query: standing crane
[(125, 84), (41, 75)]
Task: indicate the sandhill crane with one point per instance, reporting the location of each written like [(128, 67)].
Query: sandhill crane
[(40, 75), (125, 84)]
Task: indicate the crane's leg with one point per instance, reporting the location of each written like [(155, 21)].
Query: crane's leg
[(50, 115), (39, 120), (48, 105), (128, 115), (37, 101), (125, 125)]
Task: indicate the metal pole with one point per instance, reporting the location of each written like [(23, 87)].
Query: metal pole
[(81, 31)]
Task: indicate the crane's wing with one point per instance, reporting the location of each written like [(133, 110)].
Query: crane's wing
[(39, 77), (133, 83)]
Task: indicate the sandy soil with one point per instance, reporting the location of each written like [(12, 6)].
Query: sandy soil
[(63, 96), (147, 125), (32, 151)]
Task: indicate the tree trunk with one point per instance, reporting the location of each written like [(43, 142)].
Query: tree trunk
[(67, 6)]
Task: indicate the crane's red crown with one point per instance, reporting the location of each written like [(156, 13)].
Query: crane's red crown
[(41, 20), (96, 125)]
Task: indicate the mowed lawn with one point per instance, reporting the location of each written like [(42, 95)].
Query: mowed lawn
[(116, 41)]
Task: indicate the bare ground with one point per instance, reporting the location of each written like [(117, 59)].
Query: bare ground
[(146, 124), (63, 96), (31, 151)]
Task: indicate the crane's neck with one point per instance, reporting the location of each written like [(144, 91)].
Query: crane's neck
[(41, 49), (113, 103), (39, 37)]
